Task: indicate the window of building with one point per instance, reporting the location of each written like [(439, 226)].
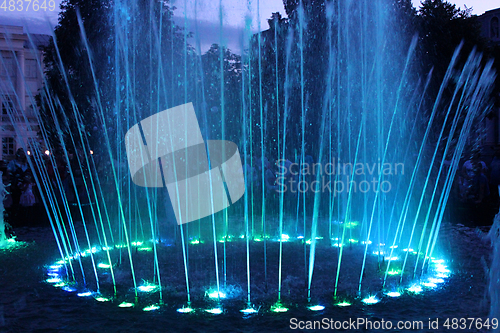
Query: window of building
[(7, 104), (7, 146), (494, 28), (9, 69), (30, 69)]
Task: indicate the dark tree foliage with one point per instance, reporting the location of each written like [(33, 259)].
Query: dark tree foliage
[(135, 73), (442, 27), (68, 72), (222, 75)]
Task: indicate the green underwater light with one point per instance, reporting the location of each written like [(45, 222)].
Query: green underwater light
[(394, 272), (54, 280), (102, 299), (370, 300), (151, 308), (278, 307), (249, 311), (85, 294), (147, 288), (185, 310), (126, 305), (343, 304), (214, 311)]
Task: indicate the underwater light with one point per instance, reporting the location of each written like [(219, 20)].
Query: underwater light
[(53, 280), (85, 294), (71, 290), (438, 261), (393, 294), (147, 288), (60, 262), (55, 267), (442, 268), (364, 242), (102, 299), (215, 294), (416, 289), (393, 246), (53, 274), (344, 303), (125, 305), (316, 308), (352, 240), (11, 240), (185, 310), (394, 272), (151, 308), (47, 152), (391, 258), (214, 311), (285, 238), (195, 241), (436, 281), (136, 243), (145, 248), (257, 239), (429, 284), (442, 275), (352, 224), (300, 237), (249, 311), (61, 284), (278, 307), (101, 265), (370, 300)]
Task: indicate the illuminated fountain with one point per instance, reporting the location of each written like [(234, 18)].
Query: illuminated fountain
[(352, 103)]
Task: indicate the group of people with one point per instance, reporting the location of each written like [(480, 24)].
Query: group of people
[(19, 187)]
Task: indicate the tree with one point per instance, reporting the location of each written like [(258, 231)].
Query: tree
[(137, 68)]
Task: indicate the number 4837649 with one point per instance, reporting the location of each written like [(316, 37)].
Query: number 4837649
[(26, 5)]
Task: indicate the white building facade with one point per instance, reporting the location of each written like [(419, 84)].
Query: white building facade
[(21, 79)]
